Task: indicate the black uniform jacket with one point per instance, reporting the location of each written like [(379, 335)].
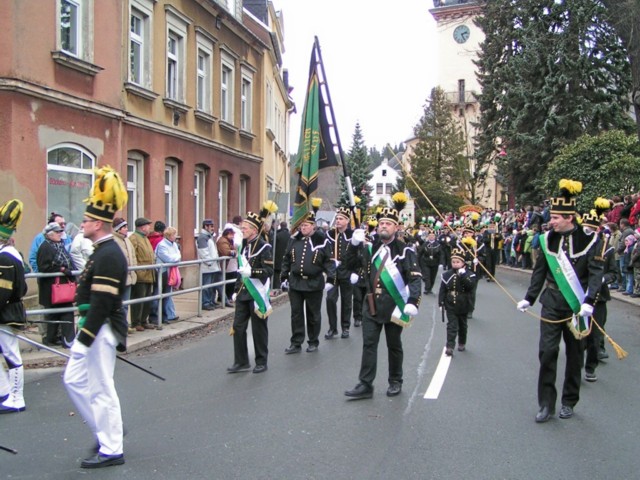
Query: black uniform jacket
[(101, 286), (430, 254), (344, 241), (584, 250), (12, 288), (258, 253), (456, 290), (305, 261), (607, 253), (404, 257)]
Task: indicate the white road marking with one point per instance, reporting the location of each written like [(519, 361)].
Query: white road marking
[(438, 377)]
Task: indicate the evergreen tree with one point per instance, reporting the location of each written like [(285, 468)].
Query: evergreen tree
[(438, 164), (359, 166), (550, 72), (375, 157)]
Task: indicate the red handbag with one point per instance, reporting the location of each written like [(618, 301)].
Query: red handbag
[(63, 292)]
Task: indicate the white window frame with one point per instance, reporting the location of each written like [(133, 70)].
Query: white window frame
[(223, 198), (242, 196), (142, 10), (176, 31), (82, 29), (199, 196), (135, 186), (246, 101), (227, 82), (269, 107), (171, 192), (204, 73)]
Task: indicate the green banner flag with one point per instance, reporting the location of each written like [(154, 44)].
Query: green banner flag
[(315, 150)]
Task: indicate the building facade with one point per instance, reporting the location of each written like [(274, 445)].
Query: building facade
[(170, 93)]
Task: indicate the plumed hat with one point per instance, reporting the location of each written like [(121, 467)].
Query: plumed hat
[(10, 216), (457, 253), (344, 212), (392, 214), (565, 203), (107, 196)]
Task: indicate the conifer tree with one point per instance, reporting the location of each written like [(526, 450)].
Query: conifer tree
[(359, 166)]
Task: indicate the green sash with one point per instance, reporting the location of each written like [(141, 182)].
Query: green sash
[(259, 292), (393, 282)]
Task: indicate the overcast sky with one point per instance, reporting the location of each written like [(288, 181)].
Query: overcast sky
[(379, 57)]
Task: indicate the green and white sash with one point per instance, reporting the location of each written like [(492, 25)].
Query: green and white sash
[(259, 292), (393, 282), (568, 284)]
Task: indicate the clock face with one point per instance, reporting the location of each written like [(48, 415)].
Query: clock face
[(461, 33)]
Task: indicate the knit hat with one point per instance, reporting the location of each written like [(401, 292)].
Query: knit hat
[(392, 214), (10, 216), (107, 196), (565, 203), (118, 223)]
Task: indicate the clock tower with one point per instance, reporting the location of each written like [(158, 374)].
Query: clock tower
[(458, 44)]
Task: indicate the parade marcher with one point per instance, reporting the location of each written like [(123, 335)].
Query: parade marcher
[(468, 245), (447, 240), (568, 253), (13, 287), (145, 278), (54, 258), (251, 296), (121, 237), (595, 340), (454, 297), (430, 257), (102, 326), (491, 239), (339, 240), (304, 266), (394, 286), (357, 277), (282, 240)]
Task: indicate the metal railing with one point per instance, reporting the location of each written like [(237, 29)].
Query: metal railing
[(158, 267)]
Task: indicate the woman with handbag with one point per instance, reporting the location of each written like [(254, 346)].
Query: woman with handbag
[(167, 251), (56, 292)]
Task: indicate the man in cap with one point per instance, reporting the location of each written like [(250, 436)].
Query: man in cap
[(394, 285), (571, 274), (13, 288), (102, 325), (306, 262), (251, 296), (339, 238), (145, 278)]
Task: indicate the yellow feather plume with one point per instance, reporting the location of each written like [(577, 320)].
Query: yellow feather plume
[(270, 206), (475, 216), (316, 202), (469, 241), (572, 187), (399, 200), (356, 199), (108, 189)]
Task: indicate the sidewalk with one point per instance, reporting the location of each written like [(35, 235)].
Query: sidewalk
[(186, 308), (615, 294)]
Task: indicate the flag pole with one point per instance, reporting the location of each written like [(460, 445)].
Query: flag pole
[(345, 170)]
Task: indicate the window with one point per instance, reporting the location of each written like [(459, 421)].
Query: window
[(176, 43), (198, 198), (171, 193), (246, 94), (384, 172), (140, 42), (461, 89), (244, 188), (135, 182), (226, 88), (269, 107), (69, 180), (223, 198), (389, 188), (204, 81), (75, 29), (379, 187)]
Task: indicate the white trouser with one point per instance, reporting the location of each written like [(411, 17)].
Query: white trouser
[(89, 382), (11, 383)]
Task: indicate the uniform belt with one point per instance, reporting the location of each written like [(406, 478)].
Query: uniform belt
[(552, 286), (378, 291), (304, 277)]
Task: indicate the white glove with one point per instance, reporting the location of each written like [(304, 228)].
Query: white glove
[(284, 285), (328, 286), (523, 305), (462, 271), (586, 310), (357, 237), (353, 279), (245, 271), (233, 297), (475, 261), (78, 350), (337, 262), (410, 309)]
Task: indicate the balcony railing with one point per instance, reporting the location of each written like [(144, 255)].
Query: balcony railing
[(461, 98)]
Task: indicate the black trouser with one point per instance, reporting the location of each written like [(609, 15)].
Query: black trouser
[(358, 302), (430, 273), (595, 339), (370, 339), (549, 347), (343, 288), (245, 311), (310, 303), (491, 258), (140, 311), (276, 279), (456, 327), (65, 331)]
